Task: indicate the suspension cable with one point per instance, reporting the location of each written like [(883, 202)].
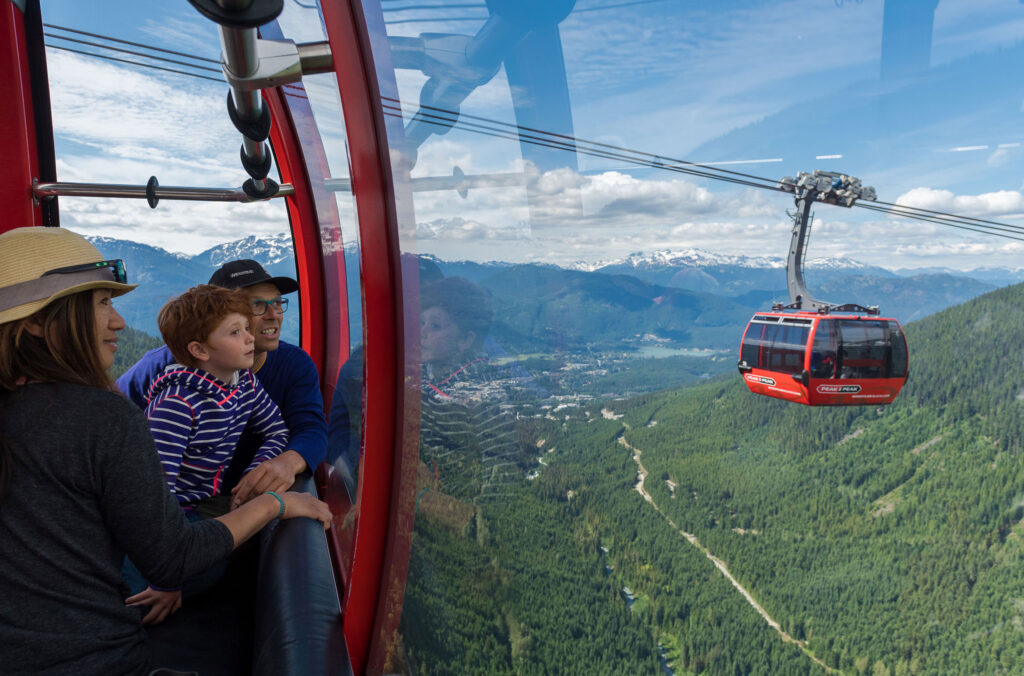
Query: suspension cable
[(496, 128)]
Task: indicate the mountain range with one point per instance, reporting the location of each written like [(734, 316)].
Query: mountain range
[(688, 298), (161, 275)]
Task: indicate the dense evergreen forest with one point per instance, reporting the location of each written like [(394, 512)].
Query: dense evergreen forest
[(889, 538), (536, 584), (882, 540)]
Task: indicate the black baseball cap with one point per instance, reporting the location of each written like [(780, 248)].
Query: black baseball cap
[(244, 273)]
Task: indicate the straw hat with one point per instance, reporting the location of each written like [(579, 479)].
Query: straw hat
[(27, 254)]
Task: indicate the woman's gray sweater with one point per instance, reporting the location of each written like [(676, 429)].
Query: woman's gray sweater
[(86, 489)]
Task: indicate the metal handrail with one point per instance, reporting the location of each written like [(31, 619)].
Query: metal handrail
[(169, 192)]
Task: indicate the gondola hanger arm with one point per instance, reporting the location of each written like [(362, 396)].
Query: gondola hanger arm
[(820, 186)]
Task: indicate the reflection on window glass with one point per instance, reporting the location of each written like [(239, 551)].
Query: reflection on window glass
[(597, 180), (315, 108), (864, 349), (823, 354), (899, 351)]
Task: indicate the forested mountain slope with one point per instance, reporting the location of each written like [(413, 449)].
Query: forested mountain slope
[(574, 573), (131, 345), (889, 538)]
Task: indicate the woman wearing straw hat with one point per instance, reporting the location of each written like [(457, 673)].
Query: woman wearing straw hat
[(80, 482)]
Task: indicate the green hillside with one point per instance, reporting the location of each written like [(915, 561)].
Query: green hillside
[(881, 541), (888, 538)]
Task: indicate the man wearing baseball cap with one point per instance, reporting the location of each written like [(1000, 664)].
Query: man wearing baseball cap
[(285, 371)]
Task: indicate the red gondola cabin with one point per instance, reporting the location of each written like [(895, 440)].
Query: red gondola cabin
[(824, 360)]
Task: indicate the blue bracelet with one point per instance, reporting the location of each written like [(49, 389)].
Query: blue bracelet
[(280, 512)]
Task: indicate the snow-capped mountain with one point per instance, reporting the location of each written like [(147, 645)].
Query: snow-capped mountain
[(699, 258), (265, 250), (161, 274), (641, 260)]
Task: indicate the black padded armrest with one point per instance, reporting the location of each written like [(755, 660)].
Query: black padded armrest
[(298, 616)]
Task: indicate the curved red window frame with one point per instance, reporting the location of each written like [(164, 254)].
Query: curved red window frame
[(17, 123), (380, 550)]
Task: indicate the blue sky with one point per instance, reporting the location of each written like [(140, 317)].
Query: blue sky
[(771, 88)]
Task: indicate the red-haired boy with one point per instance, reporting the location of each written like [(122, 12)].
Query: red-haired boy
[(197, 409)]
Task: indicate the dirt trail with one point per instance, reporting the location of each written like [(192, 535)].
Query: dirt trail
[(719, 564)]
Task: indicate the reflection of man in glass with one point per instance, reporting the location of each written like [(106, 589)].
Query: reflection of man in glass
[(344, 428), (467, 444)]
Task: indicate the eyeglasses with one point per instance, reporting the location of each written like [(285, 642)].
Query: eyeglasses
[(260, 307), (116, 268)]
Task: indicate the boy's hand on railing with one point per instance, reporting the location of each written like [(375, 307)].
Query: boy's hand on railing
[(276, 474)]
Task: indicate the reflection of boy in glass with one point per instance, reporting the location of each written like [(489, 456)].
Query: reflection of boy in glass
[(455, 316), (823, 355), (467, 445)]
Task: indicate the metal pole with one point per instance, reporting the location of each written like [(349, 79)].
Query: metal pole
[(315, 57), (239, 47), (459, 182), (168, 192)]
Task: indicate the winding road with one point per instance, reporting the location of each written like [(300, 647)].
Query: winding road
[(719, 564)]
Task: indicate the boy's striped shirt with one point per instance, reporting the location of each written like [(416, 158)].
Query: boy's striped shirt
[(196, 420)]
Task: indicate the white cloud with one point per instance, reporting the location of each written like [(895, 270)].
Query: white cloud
[(585, 217), (122, 110), (616, 195), (208, 223), (999, 158), (460, 229), (115, 124), (188, 33), (562, 215), (1001, 203)]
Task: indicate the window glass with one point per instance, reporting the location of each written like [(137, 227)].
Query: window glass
[(315, 107), (777, 347), (899, 351), (864, 351), (534, 148), (755, 343), (788, 347), (823, 356), (120, 117)]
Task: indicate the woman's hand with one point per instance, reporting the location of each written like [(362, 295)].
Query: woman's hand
[(161, 604), (247, 520), (304, 504)]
